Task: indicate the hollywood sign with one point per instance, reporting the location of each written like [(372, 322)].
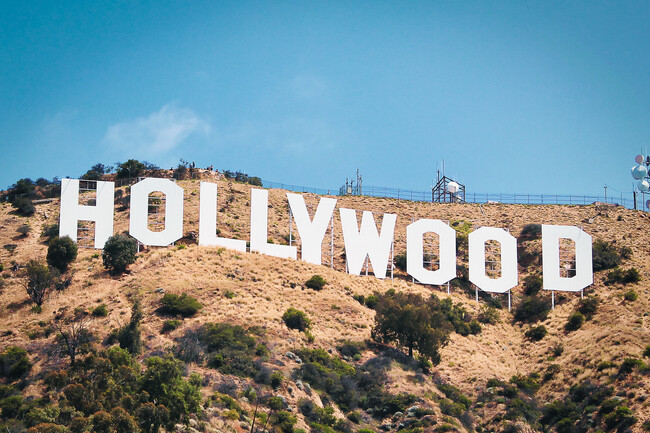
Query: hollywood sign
[(361, 242)]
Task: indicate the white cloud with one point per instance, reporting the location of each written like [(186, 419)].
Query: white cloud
[(156, 134)]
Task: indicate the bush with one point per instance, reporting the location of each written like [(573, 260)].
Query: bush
[(119, 252), (23, 206), (50, 231), (170, 325), (183, 305), (40, 281), (276, 379), (646, 351), (24, 230), (575, 321), (536, 333), (631, 295), (296, 319), (14, 362), (531, 232), (628, 365), (588, 306), (605, 255), (619, 276), (488, 314), (400, 261), (129, 335), (532, 284), (61, 252), (316, 282), (100, 311), (532, 309)]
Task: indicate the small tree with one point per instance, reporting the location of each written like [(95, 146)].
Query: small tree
[(61, 252), (130, 168), (74, 336), (119, 252), (40, 281), (129, 334)]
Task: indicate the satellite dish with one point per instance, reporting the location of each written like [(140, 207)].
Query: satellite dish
[(639, 159), (644, 186), (452, 187), (639, 171)]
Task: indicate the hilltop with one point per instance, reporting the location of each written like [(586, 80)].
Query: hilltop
[(497, 379)]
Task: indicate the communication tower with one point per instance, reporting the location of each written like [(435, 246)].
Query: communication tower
[(640, 173), (352, 187), (447, 190)]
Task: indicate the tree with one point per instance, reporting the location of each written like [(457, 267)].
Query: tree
[(129, 335), (74, 336), (61, 252), (41, 279), (119, 252), (163, 381), (412, 322), (130, 168), (97, 171)]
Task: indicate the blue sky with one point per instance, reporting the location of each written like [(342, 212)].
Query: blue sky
[(527, 97)]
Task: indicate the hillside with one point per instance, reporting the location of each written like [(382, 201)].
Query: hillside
[(252, 290)]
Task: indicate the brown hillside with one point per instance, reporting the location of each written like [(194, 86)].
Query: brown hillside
[(252, 289)]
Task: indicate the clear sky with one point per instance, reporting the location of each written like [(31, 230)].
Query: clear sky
[(515, 96)]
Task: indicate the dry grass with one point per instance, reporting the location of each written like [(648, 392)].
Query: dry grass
[(265, 287)]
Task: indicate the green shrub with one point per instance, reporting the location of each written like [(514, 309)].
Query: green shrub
[(119, 252), (170, 325), (23, 206), (605, 255), (488, 314), (41, 280), (536, 333), (228, 348), (528, 384), (50, 231), (276, 379), (628, 365), (575, 321), (532, 309), (533, 284), (183, 305), (14, 362), (296, 319), (129, 335), (316, 282), (619, 276), (631, 295), (100, 311), (400, 261), (531, 232), (588, 306), (61, 252)]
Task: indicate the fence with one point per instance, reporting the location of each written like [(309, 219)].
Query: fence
[(626, 200)]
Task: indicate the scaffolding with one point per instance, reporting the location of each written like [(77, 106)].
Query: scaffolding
[(442, 191), (86, 229)]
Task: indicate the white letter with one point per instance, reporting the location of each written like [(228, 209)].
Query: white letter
[(509, 277), (311, 232), (366, 242), (584, 276), (415, 251), (138, 226), (259, 227), (72, 212), (208, 221)]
